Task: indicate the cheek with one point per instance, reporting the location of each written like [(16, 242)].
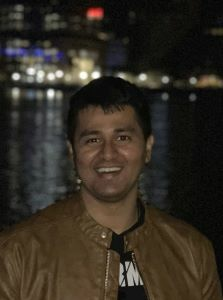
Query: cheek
[(83, 158), (135, 156)]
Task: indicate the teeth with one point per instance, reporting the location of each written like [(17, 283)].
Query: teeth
[(108, 170)]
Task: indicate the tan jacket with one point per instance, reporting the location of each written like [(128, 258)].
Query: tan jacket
[(62, 254)]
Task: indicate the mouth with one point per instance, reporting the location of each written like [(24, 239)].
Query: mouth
[(107, 170)]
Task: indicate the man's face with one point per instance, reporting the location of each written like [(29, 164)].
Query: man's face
[(109, 153)]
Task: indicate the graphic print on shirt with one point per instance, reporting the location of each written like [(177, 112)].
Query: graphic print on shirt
[(129, 275)]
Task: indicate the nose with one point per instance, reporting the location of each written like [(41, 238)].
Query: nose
[(109, 151)]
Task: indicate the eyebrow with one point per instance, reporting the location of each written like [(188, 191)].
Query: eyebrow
[(125, 129), (89, 132)]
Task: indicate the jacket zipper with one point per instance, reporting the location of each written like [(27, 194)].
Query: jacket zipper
[(136, 266), (107, 273)]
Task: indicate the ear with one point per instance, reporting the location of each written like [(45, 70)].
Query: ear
[(70, 150), (149, 146)]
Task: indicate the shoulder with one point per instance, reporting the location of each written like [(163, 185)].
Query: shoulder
[(176, 231), (43, 221), (183, 244), (181, 239), (165, 221)]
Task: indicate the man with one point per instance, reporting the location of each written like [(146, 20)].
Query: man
[(103, 242)]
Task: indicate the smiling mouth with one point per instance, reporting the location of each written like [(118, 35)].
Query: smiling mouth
[(106, 170)]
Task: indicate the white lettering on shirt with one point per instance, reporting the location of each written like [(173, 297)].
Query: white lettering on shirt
[(129, 275)]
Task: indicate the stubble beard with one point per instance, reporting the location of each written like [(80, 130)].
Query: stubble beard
[(110, 198)]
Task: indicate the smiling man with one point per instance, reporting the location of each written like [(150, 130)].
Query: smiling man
[(103, 242), (109, 154)]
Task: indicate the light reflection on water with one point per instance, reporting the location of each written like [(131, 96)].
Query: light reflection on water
[(37, 168)]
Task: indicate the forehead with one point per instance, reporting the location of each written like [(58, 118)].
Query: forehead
[(95, 117)]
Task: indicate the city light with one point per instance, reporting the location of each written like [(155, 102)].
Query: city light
[(59, 74), (95, 13), (142, 77), (30, 79), (16, 76), (121, 75), (165, 96), (31, 71), (39, 79), (16, 92), (193, 80), (39, 95), (192, 97), (59, 95), (40, 74), (50, 94), (96, 74), (68, 78), (83, 75), (51, 76), (165, 79)]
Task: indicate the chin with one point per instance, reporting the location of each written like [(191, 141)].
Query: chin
[(110, 196)]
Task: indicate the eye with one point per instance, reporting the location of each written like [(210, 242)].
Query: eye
[(92, 141), (124, 138)]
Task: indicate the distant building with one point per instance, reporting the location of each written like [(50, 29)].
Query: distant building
[(38, 40)]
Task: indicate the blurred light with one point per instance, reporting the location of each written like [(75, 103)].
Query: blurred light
[(21, 52), (31, 71), (121, 75), (40, 74), (9, 51), (19, 7), (30, 79), (83, 53), (142, 77), (96, 74), (18, 16), (216, 31), (40, 79), (38, 52), (104, 36), (15, 118), (83, 75), (16, 92), (60, 55), (16, 76), (68, 77), (192, 97), (59, 73), (71, 53), (95, 13), (165, 79), (50, 93), (46, 44), (132, 14), (59, 95), (39, 95), (51, 76), (193, 80), (165, 96)]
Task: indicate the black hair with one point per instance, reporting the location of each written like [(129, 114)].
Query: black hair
[(109, 93)]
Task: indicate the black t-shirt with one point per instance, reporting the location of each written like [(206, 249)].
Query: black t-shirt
[(130, 282)]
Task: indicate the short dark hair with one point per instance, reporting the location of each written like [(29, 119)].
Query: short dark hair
[(109, 93)]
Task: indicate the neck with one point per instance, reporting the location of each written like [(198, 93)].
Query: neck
[(118, 216)]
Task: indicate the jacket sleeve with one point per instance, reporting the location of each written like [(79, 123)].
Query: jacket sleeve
[(9, 271), (211, 286)]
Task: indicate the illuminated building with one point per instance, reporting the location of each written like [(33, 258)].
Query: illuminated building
[(52, 43), (85, 39)]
